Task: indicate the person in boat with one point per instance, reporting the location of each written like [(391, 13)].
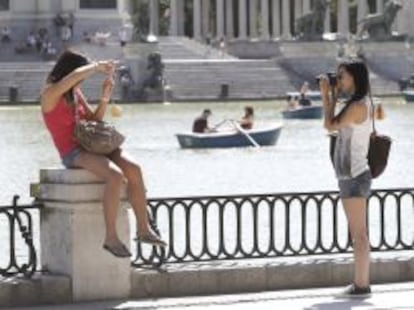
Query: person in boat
[(292, 102), (248, 119), (200, 124), (304, 100)]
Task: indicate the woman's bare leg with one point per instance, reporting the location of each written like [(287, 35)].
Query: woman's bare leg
[(356, 212), (108, 171), (135, 188)]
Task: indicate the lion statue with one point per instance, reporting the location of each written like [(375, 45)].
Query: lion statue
[(378, 26), (311, 26)]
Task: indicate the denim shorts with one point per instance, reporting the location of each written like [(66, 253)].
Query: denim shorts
[(357, 187), (68, 159)]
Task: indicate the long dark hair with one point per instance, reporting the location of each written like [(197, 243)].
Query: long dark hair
[(67, 62), (359, 72)]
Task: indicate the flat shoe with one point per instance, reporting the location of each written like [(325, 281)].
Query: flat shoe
[(118, 251), (151, 239)]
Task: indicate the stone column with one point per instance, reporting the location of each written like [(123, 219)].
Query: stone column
[(229, 19), (306, 6), (343, 17), (220, 19), (264, 12), (181, 17), (276, 18), (197, 19), (286, 34), (298, 8), (253, 18), (206, 18), (380, 6), (362, 11), (154, 17), (72, 232), (327, 24), (173, 18), (242, 19)]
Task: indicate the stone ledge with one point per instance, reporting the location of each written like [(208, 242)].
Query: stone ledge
[(258, 275), (226, 277), (41, 289), (68, 176), (74, 193), (70, 186)]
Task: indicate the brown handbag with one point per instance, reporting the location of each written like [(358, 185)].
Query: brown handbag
[(98, 137), (378, 152)]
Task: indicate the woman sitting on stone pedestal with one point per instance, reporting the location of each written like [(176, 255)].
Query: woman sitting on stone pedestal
[(58, 98)]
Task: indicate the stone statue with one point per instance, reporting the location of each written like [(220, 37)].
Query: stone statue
[(155, 68), (311, 26), (378, 26)]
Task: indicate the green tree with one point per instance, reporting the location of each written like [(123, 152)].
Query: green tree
[(140, 17)]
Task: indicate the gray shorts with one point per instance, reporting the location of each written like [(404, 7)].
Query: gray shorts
[(69, 159), (357, 187)]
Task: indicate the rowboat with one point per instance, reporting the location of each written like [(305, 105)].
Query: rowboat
[(307, 112), (233, 138), (408, 95), (312, 95)]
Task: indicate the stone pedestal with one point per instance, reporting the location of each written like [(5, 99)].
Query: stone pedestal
[(72, 233)]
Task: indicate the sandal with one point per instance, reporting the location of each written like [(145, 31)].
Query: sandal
[(120, 251), (151, 239)]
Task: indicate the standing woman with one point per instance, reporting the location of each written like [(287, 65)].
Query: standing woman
[(59, 98), (353, 125)]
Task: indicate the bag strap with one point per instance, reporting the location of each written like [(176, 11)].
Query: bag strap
[(374, 130), (75, 99)]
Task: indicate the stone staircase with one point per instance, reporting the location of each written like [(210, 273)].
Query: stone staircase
[(186, 48), (246, 79), (194, 71), (29, 78), (307, 60)]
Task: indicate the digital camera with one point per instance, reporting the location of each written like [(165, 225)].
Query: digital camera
[(331, 77)]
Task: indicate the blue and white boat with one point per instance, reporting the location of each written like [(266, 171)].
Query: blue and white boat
[(408, 95), (303, 112), (311, 95), (224, 139)]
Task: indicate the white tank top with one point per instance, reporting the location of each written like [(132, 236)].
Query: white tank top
[(352, 144)]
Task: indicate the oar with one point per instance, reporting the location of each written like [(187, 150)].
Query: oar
[(220, 124), (249, 137)]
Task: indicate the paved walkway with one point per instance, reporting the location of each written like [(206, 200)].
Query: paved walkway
[(385, 297)]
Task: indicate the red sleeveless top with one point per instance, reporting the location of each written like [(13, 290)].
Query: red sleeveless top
[(61, 124)]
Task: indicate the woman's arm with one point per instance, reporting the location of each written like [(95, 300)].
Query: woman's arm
[(354, 114), (52, 92), (108, 86), (99, 113)]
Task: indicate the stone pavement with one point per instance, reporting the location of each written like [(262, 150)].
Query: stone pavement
[(398, 296)]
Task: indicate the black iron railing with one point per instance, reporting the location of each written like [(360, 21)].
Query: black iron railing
[(290, 224), (18, 256), (237, 227)]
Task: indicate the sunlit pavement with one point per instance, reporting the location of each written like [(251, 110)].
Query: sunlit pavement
[(388, 296)]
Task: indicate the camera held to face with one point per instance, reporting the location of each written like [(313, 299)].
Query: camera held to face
[(331, 77)]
